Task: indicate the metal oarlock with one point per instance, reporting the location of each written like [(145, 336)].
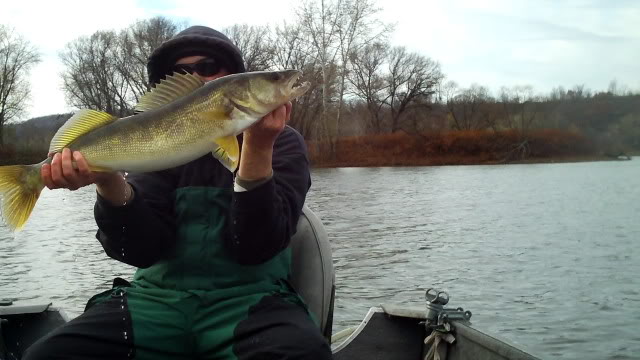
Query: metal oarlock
[(437, 316)]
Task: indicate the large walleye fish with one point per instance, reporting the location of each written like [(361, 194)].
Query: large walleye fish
[(181, 119)]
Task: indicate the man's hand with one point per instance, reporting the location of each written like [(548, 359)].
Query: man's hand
[(263, 134), (257, 144), (61, 174)]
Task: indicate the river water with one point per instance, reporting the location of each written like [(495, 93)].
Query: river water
[(546, 256)]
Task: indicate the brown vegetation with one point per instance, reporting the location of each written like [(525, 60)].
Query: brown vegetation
[(455, 148)]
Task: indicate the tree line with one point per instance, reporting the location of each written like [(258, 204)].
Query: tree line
[(360, 83)]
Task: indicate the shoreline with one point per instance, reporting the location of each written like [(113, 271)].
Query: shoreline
[(439, 160), (542, 146), (445, 161), (431, 161)]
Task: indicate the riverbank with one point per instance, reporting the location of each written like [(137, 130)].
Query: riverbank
[(456, 148), (452, 161), (446, 148)]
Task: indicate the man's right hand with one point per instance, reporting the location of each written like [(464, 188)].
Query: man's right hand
[(61, 174)]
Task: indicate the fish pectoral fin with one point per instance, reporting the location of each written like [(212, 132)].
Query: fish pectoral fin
[(227, 152), (83, 122), (214, 115), (168, 90)]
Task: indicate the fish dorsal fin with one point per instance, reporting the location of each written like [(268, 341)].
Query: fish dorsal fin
[(82, 122), (170, 89), (227, 152)]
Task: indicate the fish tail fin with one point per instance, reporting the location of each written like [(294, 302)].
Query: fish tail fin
[(20, 187)]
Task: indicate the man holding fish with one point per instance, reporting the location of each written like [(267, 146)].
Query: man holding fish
[(210, 244)]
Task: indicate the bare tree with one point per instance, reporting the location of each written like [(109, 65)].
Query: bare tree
[(321, 21), (107, 70), (469, 108), (617, 89), (91, 78), (368, 82), (579, 92), (490, 113), (558, 94), (520, 107), (358, 28), (255, 44), (446, 91), (292, 49), (411, 76), (17, 57), (136, 43)]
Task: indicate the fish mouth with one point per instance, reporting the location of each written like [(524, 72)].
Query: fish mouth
[(294, 87)]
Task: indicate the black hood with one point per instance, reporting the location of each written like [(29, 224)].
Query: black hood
[(195, 40)]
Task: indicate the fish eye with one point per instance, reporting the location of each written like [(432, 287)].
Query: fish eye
[(275, 76)]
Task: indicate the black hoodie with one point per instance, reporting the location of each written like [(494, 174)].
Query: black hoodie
[(195, 40)]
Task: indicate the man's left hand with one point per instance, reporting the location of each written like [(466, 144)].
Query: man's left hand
[(258, 141), (263, 134)]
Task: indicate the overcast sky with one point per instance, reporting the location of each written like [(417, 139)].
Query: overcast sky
[(544, 43)]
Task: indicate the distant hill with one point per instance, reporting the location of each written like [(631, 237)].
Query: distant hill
[(32, 137), (48, 123)]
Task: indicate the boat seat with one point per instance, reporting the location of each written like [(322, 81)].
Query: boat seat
[(312, 269)]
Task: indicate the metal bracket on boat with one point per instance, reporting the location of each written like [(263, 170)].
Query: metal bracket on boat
[(439, 329), (437, 315)]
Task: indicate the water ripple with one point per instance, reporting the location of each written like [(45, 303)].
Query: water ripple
[(545, 256)]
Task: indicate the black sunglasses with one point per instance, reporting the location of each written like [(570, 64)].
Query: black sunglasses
[(204, 67)]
